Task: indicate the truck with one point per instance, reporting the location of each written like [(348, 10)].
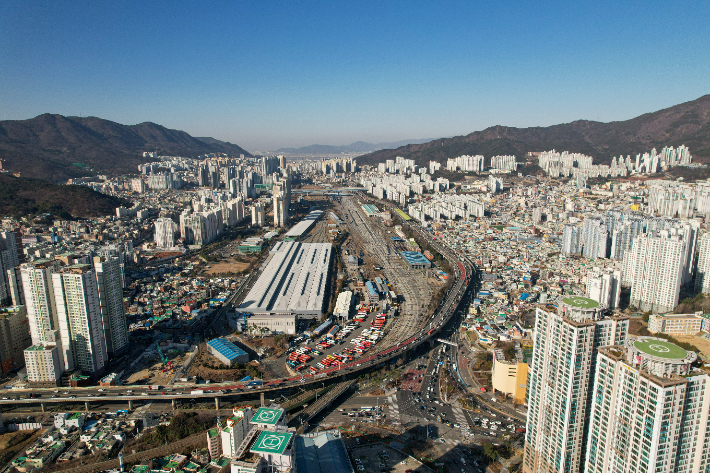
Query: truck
[(155, 387), (197, 391)]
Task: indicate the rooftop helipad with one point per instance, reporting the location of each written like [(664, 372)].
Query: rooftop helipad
[(660, 348), (271, 442), (581, 302)]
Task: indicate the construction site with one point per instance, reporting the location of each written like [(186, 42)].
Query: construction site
[(158, 364)]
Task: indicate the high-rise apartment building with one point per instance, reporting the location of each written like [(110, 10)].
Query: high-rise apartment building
[(258, 215), (560, 381), (39, 299), (604, 286), (165, 233), (109, 277), (14, 286), (571, 240), (595, 237), (623, 235), (76, 294), (43, 360), (702, 275), (650, 410), (279, 211), (14, 337), (655, 267)]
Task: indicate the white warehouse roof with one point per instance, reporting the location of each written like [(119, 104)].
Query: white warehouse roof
[(304, 225), (293, 281)]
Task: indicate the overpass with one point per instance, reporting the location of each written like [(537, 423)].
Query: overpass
[(339, 191), (463, 272)]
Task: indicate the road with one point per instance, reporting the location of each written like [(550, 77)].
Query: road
[(445, 311)]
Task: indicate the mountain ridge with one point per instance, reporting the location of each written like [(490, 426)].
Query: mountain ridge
[(54, 147), (686, 123)]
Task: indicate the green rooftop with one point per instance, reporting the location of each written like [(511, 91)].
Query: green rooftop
[(213, 433), (75, 415), (660, 348), (271, 442), (267, 416), (581, 302)]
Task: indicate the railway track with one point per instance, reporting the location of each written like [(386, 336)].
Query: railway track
[(415, 292)]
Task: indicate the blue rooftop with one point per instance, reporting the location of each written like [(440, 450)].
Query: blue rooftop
[(371, 287), (226, 348), (414, 257)]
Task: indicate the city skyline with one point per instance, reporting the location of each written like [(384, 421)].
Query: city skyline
[(284, 75)]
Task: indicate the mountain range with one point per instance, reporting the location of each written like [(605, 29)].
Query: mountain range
[(55, 147), (357, 147), (687, 123)]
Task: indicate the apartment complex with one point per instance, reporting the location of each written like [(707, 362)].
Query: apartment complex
[(109, 277), (80, 323), (165, 233), (14, 337), (572, 240), (702, 273), (560, 381), (656, 267), (604, 286), (650, 411)]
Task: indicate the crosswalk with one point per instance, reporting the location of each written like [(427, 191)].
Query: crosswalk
[(393, 407), (459, 416)]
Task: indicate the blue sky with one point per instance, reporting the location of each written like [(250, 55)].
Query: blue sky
[(271, 74)]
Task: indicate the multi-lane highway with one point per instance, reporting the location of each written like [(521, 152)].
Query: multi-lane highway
[(416, 333)]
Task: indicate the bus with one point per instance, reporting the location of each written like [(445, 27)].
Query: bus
[(367, 409)]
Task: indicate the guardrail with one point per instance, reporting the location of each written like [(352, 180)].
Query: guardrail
[(463, 269)]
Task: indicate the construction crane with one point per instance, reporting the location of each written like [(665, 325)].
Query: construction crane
[(160, 352)]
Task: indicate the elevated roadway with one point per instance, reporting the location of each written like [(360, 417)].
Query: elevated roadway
[(463, 274)]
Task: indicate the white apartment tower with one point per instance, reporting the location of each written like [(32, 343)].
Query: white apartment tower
[(80, 323), (655, 267), (604, 286), (43, 359), (258, 215), (39, 298), (702, 275), (560, 382), (571, 240), (595, 236), (651, 410), (109, 277), (165, 233), (279, 211)]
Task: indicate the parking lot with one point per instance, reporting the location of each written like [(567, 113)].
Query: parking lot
[(380, 457), (338, 347)]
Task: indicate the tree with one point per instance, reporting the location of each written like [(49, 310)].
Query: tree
[(490, 450)]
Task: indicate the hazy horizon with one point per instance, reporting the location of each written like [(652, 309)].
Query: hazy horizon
[(291, 75)]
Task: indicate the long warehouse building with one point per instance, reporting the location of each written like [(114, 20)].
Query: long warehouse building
[(293, 282), (303, 227)]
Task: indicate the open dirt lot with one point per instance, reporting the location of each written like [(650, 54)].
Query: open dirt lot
[(703, 344), (229, 265)]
